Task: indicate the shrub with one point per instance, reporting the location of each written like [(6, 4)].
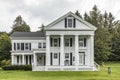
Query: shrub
[(5, 62), (17, 67)]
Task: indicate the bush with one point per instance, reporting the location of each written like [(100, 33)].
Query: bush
[(5, 62), (17, 67)]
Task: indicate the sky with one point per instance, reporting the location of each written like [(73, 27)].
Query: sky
[(37, 12)]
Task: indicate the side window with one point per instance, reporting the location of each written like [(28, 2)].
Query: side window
[(26, 46), (39, 45), (44, 45)]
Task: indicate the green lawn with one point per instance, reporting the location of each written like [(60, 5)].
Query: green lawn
[(62, 75)]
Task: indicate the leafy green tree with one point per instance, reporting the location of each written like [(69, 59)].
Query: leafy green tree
[(78, 14), (20, 25), (5, 47)]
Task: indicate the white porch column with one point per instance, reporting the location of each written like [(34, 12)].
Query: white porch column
[(92, 50), (76, 50), (28, 59), (62, 50), (12, 59), (48, 50), (23, 59), (34, 59)]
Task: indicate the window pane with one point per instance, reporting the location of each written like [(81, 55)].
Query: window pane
[(26, 46), (18, 46), (39, 45), (55, 43), (55, 56), (67, 42), (81, 42), (66, 55), (44, 45), (69, 22), (22, 46)]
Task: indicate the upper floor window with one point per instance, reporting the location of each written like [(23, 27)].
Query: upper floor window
[(22, 46), (41, 45), (70, 22), (68, 42), (82, 42), (44, 45), (55, 42)]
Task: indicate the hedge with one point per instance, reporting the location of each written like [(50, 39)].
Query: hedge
[(17, 67)]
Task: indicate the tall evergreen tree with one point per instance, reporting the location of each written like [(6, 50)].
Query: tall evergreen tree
[(20, 25), (102, 39), (78, 14)]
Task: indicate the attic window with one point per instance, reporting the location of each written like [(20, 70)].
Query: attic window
[(70, 22)]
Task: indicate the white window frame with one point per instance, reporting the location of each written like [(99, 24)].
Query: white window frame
[(71, 23), (83, 41), (68, 42), (53, 43)]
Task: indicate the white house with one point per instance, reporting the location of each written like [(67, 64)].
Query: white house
[(67, 44)]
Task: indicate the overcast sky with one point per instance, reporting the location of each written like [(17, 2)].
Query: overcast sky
[(36, 12)]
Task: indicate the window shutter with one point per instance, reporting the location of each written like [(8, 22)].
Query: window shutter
[(59, 58), (59, 42), (65, 22), (74, 23), (51, 58), (84, 42), (70, 42), (71, 58), (51, 40), (15, 46), (29, 46)]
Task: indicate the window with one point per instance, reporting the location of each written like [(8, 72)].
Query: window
[(26, 46), (22, 46), (82, 42), (70, 22), (44, 45), (66, 55), (55, 43), (68, 42), (18, 46), (39, 45), (55, 56)]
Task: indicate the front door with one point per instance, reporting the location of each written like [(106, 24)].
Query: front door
[(40, 59), (81, 58)]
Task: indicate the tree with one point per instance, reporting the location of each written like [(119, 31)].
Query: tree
[(78, 14), (102, 48), (20, 25), (115, 50), (42, 28), (5, 47), (102, 36)]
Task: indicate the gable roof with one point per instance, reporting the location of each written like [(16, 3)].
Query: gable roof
[(28, 34), (75, 16)]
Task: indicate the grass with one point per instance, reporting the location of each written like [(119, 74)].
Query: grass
[(65, 75)]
